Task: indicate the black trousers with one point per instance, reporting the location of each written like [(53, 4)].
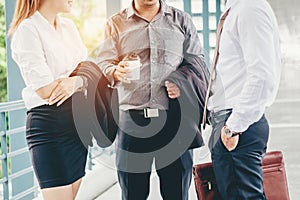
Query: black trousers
[(239, 173), (140, 142)]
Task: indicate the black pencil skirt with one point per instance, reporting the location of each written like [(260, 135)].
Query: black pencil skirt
[(57, 153)]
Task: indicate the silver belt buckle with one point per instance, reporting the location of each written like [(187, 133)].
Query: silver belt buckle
[(151, 112)]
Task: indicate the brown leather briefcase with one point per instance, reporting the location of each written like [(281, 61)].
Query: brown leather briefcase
[(275, 183)]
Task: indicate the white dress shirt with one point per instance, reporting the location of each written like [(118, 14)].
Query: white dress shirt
[(248, 68), (45, 54)]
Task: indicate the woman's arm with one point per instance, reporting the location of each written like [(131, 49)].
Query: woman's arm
[(45, 91), (64, 89), (60, 89)]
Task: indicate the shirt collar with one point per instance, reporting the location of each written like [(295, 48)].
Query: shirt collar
[(41, 19), (164, 8)]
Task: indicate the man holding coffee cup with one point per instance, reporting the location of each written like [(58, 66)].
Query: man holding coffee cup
[(129, 68), (153, 38)]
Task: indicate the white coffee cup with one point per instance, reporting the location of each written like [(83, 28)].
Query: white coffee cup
[(134, 67)]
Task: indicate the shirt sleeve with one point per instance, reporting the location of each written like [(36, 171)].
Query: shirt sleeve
[(107, 58), (27, 51), (256, 39)]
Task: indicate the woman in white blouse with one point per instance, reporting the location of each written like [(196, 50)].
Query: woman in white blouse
[(47, 48)]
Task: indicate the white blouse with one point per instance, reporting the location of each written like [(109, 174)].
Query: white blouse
[(45, 54)]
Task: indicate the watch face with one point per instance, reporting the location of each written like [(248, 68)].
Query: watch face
[(228, 132)]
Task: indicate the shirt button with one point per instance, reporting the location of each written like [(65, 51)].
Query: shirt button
[(152, 42)]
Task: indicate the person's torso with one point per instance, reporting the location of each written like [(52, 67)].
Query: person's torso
[(231, 68), (62, 49), (159, 44)]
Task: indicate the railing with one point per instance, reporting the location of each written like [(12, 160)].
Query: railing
[(6, 154)]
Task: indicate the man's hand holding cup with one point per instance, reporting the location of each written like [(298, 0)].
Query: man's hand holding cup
[(128, 69), (121, 72)]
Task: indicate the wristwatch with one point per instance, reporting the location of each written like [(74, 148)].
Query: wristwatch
[(229, 133)]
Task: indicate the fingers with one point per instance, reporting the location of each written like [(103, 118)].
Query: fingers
[(172, 89), (56, 94), (121, 72), (230, 143), (60, 99), (59, 80), (63, 100), (56, 99), (63, 91)]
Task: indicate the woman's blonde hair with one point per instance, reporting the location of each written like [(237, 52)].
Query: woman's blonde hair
[(23, 10)]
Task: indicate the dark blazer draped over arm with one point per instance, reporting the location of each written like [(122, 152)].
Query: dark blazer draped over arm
[(192, 79), (97, 113)]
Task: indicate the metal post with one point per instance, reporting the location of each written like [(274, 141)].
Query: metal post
[(4, 153), (205, 14), (90, 159), (218, 11), (187, 4)]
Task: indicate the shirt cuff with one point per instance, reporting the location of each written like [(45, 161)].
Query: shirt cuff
[(109, 73), (237, 123)]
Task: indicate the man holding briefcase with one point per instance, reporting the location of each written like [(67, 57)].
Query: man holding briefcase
[(244, 81)]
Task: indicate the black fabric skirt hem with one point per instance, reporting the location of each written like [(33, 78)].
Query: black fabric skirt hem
[(59, 183)]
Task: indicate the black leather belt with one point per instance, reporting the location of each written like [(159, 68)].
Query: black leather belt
[(219, 116), (147, 112)]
